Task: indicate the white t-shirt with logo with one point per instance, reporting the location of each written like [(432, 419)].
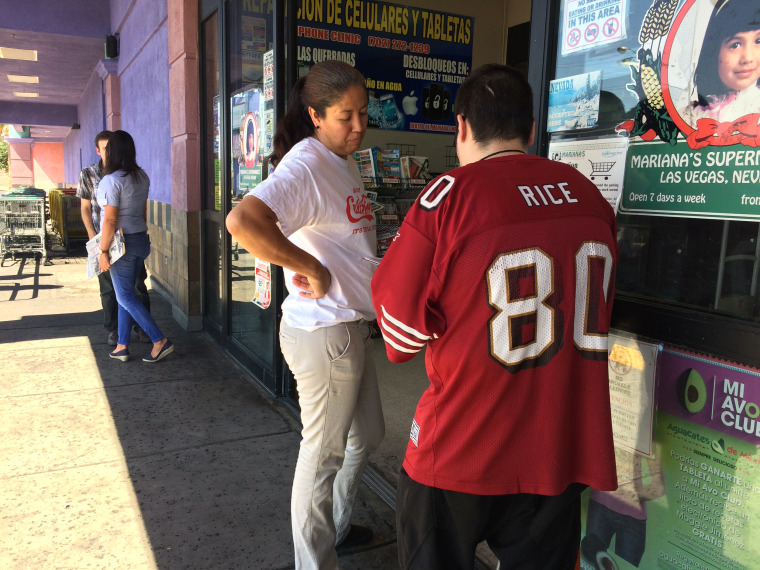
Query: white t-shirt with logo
[(321, 206)]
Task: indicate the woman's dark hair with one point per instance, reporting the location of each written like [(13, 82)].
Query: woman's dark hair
[(248, 132), (729, 17), (497, 101), (121, 155), (325, 84)]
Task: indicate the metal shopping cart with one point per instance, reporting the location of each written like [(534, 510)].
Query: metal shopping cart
[(22, 226), (600, 169)]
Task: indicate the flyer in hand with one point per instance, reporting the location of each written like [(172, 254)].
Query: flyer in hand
[(93, 251)]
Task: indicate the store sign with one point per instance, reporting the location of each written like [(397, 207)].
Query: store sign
[(694, 502), (711, 182), (592, 23), (702, 118), (413, 59)]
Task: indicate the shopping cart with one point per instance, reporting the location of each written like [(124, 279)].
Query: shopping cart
[(22, 226), (66, 216), (600, 169)]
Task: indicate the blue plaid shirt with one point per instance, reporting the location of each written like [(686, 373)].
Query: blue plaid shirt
[(89, 179)]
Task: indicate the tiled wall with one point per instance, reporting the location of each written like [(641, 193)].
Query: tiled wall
[(174, 262)]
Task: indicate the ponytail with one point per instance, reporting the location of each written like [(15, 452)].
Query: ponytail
[(294, 126)]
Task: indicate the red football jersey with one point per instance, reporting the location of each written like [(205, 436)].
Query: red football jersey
[(505, 270)]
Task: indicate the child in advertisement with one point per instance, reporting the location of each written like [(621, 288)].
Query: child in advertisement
[(727, 83)]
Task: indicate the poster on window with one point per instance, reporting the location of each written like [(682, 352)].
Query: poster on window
[(601, 160), (697, 78), (413, 59), (592, 23), (248, 117), (632, 366), (253, 43), (574, 102), (262, 295), (694, 503)]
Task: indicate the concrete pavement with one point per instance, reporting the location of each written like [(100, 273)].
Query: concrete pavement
[(182, 464)]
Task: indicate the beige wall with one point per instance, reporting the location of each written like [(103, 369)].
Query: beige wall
[(47, 159), (491, 20)]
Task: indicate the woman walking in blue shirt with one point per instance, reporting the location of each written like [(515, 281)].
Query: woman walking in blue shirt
[(123, 196)]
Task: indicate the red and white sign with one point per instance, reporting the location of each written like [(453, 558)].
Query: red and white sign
[(591, 23)]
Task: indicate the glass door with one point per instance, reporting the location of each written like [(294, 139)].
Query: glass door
[(212, 215), (253, 308)]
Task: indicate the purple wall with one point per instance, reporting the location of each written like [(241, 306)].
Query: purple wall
[(79, 146), (81, 18), (143, 68), (144, 73)]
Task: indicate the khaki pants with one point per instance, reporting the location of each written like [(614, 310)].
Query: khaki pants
[(343, 423)]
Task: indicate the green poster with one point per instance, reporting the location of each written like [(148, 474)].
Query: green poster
[(695, 502), (711, 182)]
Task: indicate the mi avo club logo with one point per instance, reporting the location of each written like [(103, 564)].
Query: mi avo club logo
[(358, 209), (735, 411)]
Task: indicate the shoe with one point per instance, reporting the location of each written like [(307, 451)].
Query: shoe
[(357, 536), (122, 355), (166, 350), (113, 338), (142, 335)]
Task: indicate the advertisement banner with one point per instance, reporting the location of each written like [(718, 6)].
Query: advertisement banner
[(632, 366), (592, 23), (413, 59), (601, 160), (710, 182), (250, 138), (574, 102), (695, 504), (699, 106)]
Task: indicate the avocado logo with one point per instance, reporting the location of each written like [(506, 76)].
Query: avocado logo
[(691, 391), (719, 446)]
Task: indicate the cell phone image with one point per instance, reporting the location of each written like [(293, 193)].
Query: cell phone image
[(426, 102), (389, 108)]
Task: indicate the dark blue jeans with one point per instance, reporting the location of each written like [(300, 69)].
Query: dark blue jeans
[(108, 296), (123, 273)]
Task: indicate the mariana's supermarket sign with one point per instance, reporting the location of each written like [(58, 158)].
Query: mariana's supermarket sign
[(711, 182)]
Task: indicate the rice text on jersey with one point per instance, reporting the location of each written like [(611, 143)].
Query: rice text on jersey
[(557, 194)]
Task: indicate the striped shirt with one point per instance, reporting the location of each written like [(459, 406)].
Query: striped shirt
[(89, 179)]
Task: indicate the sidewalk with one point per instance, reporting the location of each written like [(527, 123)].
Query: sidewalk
[(182, 464)]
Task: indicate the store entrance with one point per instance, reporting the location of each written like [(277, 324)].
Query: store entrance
[(241, 294)]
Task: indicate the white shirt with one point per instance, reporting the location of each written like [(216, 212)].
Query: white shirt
[(320, 203), (730, 107)]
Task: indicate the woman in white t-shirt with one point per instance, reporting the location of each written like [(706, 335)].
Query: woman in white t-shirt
[(728, 69), (313, 218)]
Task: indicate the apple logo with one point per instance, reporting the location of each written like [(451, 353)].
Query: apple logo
[(410, 104)]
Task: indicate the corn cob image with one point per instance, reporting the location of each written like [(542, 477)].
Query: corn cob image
[(658, 19), (650, 83)]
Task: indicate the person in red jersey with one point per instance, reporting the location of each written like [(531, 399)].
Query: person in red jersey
[(504, 269)]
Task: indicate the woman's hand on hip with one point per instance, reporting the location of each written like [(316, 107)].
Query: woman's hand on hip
[(313, 286)]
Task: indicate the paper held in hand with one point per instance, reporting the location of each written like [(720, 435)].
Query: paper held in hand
[(93, 252)]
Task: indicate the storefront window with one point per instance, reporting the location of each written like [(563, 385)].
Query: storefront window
[(688, 255), (251, 120), (212, 206)]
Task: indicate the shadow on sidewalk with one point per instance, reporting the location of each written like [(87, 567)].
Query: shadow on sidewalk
[(35, 276), (187, 449)]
